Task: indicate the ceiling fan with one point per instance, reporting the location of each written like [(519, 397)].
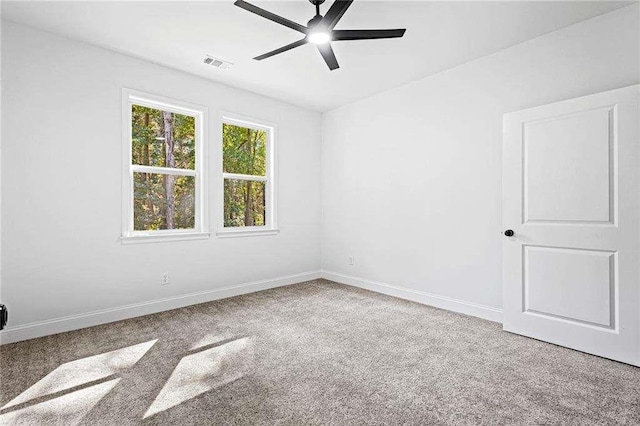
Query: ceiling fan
[(319, 30)]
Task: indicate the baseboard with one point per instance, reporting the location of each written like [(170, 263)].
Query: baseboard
[(75, 322), (443, 302), (90, 319)]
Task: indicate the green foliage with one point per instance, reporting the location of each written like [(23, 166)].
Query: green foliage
[(151, 191), (148, 141), (150, 202), (162, 201), (236, 210), (244, 152)]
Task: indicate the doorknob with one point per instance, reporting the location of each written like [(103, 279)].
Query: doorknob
[(508, 233)]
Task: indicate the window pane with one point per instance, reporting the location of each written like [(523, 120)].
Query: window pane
[(244, 203), (162, 139), (244, 150), (153, 209)]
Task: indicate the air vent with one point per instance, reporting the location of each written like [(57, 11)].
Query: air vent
[(217, 62)]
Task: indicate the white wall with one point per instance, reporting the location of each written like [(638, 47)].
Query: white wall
[(412, 176), (62, 176)]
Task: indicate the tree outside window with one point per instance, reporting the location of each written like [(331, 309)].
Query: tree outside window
[(163, 184), (245, 151)]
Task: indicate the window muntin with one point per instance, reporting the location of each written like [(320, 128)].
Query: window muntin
[(164, 181), (247, 155)]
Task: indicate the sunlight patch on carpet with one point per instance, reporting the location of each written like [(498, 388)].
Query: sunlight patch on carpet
[(68, 409), (83, 371), (203, 371)]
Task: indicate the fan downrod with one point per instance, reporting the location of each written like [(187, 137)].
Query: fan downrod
[(317, 4)]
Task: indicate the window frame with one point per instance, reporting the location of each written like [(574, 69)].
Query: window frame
[(200, 113), (270, 178)]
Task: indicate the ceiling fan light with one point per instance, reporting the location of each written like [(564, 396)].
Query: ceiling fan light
[(319, 37)]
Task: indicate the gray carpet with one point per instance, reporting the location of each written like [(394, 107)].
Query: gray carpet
[(311, 353)]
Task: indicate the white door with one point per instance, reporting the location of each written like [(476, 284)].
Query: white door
[(571, 197)]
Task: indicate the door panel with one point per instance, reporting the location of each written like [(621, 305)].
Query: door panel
[(570, 194), (577, 285), (567, 167)]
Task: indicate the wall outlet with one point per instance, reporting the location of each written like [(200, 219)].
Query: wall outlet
[(351, 261), (164, 280)]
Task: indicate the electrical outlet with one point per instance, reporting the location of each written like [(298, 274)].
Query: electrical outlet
[(164, 280), (351, 261)]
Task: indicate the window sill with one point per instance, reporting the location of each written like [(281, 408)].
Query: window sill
[(254, 232), (163, 238)]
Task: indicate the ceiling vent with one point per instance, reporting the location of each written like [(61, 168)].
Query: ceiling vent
[(217, 62)]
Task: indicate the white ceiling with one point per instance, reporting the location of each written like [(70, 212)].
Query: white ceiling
[(439, 35)]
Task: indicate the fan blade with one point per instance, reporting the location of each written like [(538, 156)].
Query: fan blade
[(282, 49), (335, 12), (366, 34), (271, 16), (327, 54)]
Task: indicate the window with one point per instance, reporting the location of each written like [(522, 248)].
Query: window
[(247, 177), (163, 182)]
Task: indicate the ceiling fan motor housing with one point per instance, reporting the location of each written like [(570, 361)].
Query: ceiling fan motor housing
[(314, 21)]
